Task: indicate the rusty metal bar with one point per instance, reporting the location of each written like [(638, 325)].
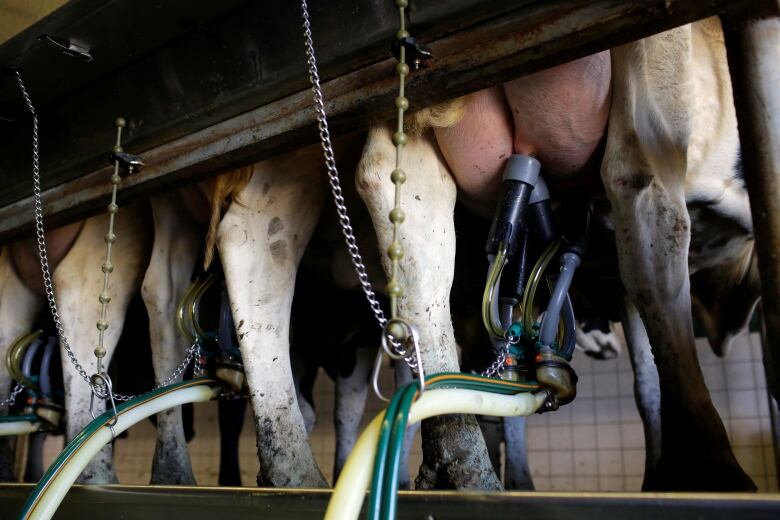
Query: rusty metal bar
[(530, 38), (753, 47)]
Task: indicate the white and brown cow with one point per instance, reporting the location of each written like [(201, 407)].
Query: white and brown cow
[(671, 137)]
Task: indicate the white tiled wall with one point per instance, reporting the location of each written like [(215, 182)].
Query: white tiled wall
[(595, 443)]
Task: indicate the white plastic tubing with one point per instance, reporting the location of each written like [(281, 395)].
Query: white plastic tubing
[(45, 504), (347, 499), (21, 427)]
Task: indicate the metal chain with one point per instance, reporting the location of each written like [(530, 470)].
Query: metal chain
[(11, 399), (191, 353), (104, 298), (48, 283), (395, 251), (338, 198), (496, 368)]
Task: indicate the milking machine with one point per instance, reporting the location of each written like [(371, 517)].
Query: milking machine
[(29, 362), (219, 354), (530, 348), (532, 371)]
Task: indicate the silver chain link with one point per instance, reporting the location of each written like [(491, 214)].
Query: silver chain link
[(191, 353), (48, 283), (11, 399), (496, 368), (335, 188)]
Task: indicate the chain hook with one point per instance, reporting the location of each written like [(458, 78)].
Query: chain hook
[(375, 376), (398, 350), (104, 380)]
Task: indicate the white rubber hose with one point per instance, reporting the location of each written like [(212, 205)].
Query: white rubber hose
[(48, 500), (18, 427), (347, 498)]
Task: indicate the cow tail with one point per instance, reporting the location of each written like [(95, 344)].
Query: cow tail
[(225, 189)]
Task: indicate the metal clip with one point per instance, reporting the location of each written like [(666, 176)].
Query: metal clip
[(68, 47), (127, 161), (392, 347), (418, 55), (105, 380), (375, 376)]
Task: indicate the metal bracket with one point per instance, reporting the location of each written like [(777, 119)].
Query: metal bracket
[(418, 55), (127, 161), (67, 47)]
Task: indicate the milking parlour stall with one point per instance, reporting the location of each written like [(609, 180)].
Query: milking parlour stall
[(450, 259)]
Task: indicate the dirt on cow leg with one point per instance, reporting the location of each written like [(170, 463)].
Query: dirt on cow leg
[(171, 463), (175, 247), (449, 460)]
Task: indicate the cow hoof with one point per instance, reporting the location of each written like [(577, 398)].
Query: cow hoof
[(706, 475)]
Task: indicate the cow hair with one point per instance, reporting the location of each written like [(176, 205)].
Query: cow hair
[(225, 189)]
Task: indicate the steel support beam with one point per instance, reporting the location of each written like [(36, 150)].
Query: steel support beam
[(753, 46), (204, 503), (528, 38)]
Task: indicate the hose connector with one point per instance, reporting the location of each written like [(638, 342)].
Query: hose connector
[(555, 373)]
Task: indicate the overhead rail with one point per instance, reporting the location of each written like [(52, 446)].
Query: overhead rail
[(233, 89)]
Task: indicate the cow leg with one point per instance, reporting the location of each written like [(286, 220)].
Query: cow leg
[(517, 473), (644, 173), (231, 422), (174, 250), (304, 376), (79, 281), (454, 451), (351, 393), (33, 470), (647, 391), (18, 308), (261, 240), (493, 431)]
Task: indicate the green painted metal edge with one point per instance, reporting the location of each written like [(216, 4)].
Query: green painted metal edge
[(90, 429), (19, 418)]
